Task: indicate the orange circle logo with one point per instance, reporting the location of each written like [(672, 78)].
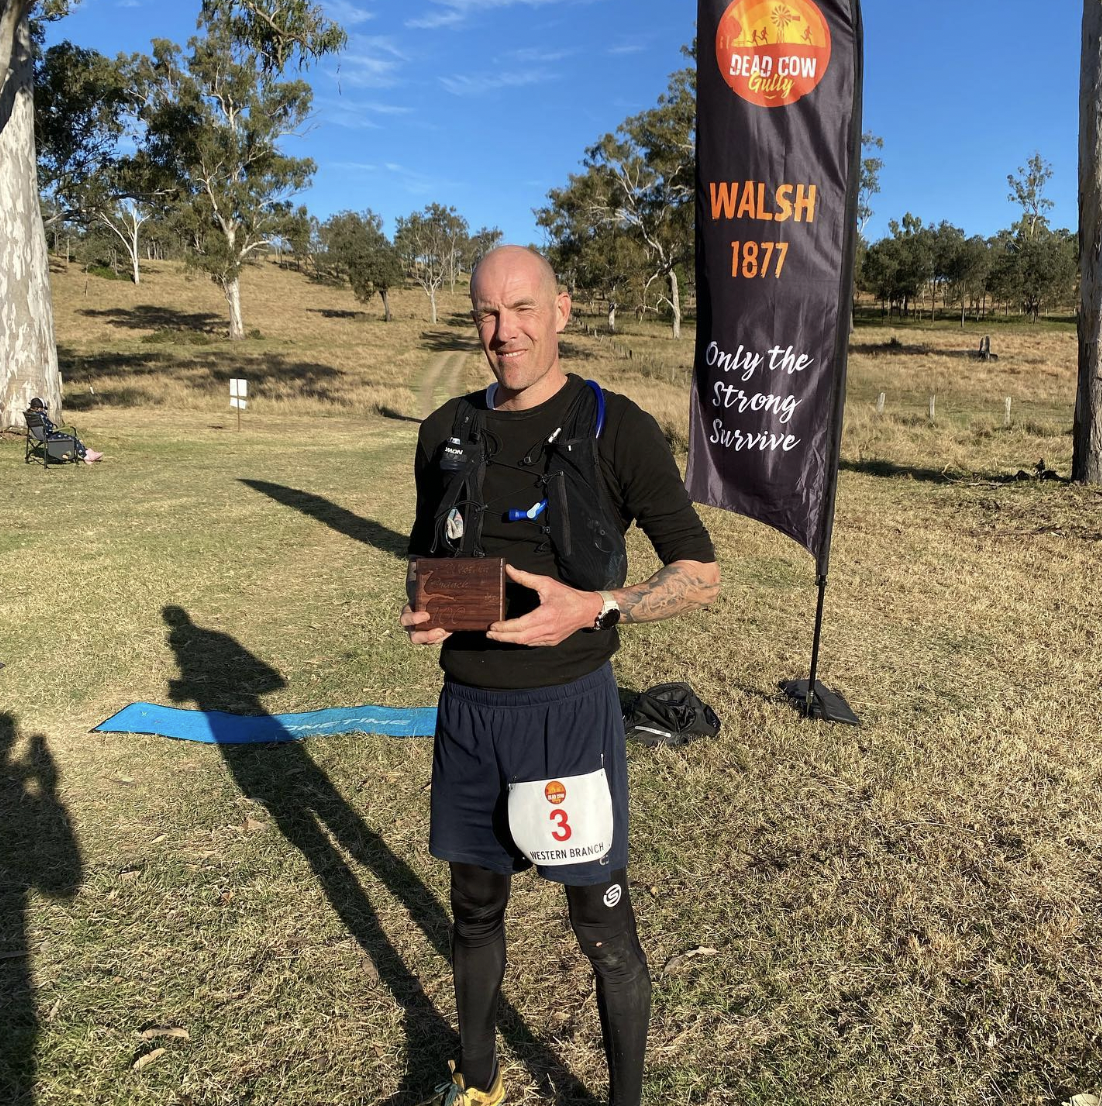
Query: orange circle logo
[(773, 52), (555, 792)]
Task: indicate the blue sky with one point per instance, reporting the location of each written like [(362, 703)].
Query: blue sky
[(486, 104)]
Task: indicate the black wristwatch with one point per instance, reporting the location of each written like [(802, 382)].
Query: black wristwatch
[(609, 614)]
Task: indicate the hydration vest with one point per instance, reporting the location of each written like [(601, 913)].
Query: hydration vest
[(575, 515)]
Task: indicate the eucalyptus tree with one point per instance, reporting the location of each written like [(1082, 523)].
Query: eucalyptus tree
[(425, 241), (1027, 190), (869, 183), (125, 195), (280, 31), (215, 119), (646, 173), (594, 255), (357, 244), (84, 104), (28, 356)]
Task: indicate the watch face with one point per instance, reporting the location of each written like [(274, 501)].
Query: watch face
[(607, 619)]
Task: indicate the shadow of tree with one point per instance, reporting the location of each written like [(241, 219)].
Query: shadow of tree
[(338, 518), (441, 341), (391, 413), (890, 469), (879, 349), (148, 316), (334, 313), (573, 351), (199, 370), (39, 853), (219, 674)]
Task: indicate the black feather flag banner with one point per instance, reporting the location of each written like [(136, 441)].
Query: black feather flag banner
[(778, 170)]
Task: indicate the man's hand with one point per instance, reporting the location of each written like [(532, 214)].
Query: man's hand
[(561, 612), (411, 619)]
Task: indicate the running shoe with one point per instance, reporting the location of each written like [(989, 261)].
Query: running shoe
[(456, 1092)]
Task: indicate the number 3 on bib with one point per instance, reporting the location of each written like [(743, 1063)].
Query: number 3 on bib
[(575, 830), (564, 831)]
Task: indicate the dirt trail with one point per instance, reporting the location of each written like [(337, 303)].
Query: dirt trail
[(441, 379)]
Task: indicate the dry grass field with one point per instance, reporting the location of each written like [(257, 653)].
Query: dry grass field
[(904, 913)]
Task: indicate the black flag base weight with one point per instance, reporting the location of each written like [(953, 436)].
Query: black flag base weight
[(826, 705)]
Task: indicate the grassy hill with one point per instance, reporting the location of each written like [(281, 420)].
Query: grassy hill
[(903, 913)]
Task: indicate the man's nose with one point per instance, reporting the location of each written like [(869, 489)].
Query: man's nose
[(506, 326)]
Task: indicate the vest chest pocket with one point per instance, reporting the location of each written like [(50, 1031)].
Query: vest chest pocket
[(567, 820)]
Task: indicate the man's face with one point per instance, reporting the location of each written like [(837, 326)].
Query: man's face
[(519, 314)]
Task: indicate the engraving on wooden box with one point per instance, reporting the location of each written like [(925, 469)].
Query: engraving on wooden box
[(460, 593)]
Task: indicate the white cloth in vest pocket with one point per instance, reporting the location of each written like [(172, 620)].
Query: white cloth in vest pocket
[(567, 820)]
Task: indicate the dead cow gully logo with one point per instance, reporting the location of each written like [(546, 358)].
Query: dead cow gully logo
[(773, 52), (554, 792)]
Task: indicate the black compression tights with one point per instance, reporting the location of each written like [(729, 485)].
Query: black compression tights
[(604, 923)]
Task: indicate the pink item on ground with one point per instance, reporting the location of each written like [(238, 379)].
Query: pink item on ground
[(91, 455)]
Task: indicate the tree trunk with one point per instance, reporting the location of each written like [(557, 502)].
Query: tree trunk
[(134, 254), (1086, 465), (28, 355), (675, 304), (611, 317), (432, 300), (385, 294), (232, 288)]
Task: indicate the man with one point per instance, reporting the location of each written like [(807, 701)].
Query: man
[(533, 702)]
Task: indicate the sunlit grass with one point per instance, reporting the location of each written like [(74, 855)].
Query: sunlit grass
[(904, 913)]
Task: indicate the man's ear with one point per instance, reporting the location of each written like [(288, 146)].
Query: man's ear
[(562, 307)]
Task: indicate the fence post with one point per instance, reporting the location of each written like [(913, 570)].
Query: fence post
[(1006, 422), (880, 404), (933, 405)]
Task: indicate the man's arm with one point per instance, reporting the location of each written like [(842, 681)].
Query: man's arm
[(679, 587), (674, 589)]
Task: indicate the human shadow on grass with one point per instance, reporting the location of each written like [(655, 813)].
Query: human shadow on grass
[(218, 674), (39, 854), (338, 518)]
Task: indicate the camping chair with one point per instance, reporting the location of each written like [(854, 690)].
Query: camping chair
[(40, 447)]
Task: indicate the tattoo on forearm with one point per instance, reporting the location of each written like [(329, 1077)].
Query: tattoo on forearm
[(672, 590)]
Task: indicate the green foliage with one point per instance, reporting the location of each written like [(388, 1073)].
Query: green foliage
[(869, 185), (82, 101), (627, 221), (430, 244), (215, 119), (355, 243), (278, 32), (1027, 190)]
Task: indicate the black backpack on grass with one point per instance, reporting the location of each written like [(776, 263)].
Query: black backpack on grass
[(669, 714)]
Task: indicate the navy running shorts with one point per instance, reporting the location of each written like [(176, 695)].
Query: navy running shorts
[(487, 740)]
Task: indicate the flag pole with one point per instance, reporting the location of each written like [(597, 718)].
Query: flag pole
[(810, 696)]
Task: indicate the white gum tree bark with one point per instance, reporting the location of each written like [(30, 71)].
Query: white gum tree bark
[(28, 354)]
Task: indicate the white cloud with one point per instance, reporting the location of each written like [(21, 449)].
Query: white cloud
[(626, 48), (346, 13), (371, 61), (345, 111), (450, 13), (488, 82)]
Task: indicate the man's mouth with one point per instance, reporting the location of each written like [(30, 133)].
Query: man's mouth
[(505, 355)]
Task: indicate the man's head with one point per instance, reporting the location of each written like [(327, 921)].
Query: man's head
[(519, 312)]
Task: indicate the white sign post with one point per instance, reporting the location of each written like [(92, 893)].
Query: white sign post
[(239, 390)]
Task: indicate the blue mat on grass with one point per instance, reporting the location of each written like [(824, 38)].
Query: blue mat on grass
[(216, 727)]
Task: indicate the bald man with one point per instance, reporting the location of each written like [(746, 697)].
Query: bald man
[(529, 764)]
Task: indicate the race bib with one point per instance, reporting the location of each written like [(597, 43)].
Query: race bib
[(562, 821)]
